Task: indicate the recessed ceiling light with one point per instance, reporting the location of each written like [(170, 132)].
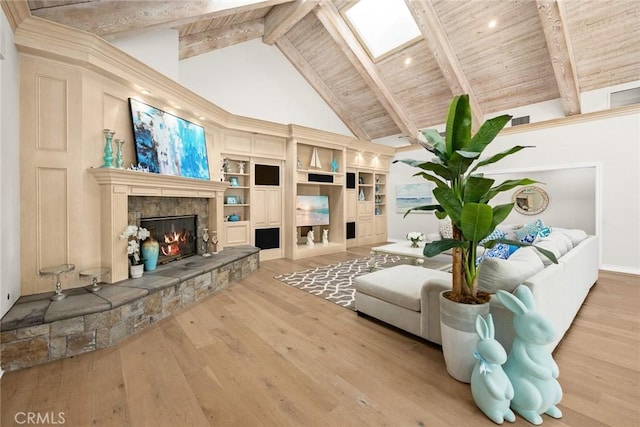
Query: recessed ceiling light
[(407, 61), (202, 118), (493, 23), (145, 92), (177, 107)]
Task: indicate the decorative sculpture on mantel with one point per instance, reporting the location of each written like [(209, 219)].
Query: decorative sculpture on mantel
[(108, 149)]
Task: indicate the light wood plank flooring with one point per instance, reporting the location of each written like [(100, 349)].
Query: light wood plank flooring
[(264, 353)]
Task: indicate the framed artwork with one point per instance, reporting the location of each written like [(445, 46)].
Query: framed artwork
[(413, 195), (234, 181), (168, 144), (231, 200)]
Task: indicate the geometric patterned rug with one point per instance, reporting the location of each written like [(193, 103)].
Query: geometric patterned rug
[(334, 282)]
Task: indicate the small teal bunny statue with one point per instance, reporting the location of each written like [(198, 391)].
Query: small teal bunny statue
[(490, 386), (530, 366)]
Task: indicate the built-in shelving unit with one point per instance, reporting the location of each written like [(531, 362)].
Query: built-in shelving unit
[(237, 200), (319, 170)]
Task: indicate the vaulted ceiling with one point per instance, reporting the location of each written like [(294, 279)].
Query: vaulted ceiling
[(540, 50)]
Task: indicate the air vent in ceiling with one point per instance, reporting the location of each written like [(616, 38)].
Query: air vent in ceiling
[(520, 120), (624, 97)]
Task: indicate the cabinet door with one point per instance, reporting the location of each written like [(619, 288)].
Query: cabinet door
[(380, 228), (267, 207), (352, 205)]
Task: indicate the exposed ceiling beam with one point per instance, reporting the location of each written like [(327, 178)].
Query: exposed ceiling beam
[(307, 71), (435, 35), (559, 42), (115, 19), (206, 41), (353, 50), (282, 18)]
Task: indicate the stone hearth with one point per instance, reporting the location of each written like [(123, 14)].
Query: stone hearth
[(37, 330)]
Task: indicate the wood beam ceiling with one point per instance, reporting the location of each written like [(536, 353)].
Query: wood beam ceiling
[(559, 42), (435, 35), (206, 41), (331, 19), (283, 17), (301, 64), (112, 20)]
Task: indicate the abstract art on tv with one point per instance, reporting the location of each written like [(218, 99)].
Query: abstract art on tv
[(167, 144)]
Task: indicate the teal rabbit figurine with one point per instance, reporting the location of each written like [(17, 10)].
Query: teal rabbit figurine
[(530, 366), (490, 386)]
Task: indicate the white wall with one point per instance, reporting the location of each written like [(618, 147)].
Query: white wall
[(598, 100), (9, 170), (158, 49), (256, 80), (613, 143)]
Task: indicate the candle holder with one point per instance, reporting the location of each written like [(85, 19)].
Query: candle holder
[(108, 150), (57, 271), (119, 160), (205, 246)]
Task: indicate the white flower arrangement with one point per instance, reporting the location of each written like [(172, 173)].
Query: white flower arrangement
[(415, 237), (134, 234)]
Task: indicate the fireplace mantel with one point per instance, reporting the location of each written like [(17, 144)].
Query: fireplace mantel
[(116, 185)]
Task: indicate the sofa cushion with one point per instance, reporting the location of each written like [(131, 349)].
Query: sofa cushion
[(557, 242), (576, 236), (536, 227), (507, 274), (399, 285)]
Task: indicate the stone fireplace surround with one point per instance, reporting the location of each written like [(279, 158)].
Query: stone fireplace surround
[(117, 186)]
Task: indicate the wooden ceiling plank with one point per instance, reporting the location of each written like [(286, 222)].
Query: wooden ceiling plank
[(307, 71), (435, 35), (559, 45), (353, 50), (283, 17), (207, 41), (115, 19)]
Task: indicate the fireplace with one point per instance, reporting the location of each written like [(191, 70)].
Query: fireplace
[(177, 235)]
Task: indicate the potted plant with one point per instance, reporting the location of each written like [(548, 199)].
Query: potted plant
[(463, 194), (134, 235)]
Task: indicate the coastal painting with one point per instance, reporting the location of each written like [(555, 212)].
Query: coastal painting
[(413, 195)]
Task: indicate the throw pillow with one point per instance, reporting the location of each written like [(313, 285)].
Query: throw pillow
[(529, 228), (495, 234)]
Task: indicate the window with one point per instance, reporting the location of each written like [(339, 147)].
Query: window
[(382, 25)]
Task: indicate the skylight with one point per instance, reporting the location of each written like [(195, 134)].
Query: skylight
[(382, 25)]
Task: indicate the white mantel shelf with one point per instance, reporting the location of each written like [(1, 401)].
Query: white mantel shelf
[(136, 183), (116, 185)]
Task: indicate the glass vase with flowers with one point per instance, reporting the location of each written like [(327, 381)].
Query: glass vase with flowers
[(134, 235)]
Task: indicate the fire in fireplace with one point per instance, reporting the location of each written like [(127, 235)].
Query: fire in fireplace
[(177, 236)]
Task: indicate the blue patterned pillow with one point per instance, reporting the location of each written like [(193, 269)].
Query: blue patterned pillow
[(500, 250), (529, 228), (495, 234), (529, 238)]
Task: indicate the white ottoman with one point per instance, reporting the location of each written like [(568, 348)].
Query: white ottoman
[(397, 295)]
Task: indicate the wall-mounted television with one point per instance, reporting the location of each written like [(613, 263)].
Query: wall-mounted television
[(312, 210), (267, 174), (167, 144)]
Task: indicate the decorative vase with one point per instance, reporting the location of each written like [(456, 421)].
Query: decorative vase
[(136, 271), (459, 337), (108, 149), (150, 250), (119, 159)]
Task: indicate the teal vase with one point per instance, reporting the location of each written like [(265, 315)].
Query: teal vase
[(150, 250)]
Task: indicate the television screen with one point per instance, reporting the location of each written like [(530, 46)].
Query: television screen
[(167, 144), (267, 174), (312, 210)]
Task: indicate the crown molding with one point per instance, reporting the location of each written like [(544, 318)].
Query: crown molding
[(50, 40), (16, 12)]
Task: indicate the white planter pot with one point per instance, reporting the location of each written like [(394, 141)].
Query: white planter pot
[(459, 336), (136, 271)]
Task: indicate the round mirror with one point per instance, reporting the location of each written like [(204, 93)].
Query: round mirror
[(530, 200)]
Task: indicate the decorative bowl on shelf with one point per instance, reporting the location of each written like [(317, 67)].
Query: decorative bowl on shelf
[(234, 217)]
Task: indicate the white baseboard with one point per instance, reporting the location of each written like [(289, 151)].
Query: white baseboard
[(620, 269)]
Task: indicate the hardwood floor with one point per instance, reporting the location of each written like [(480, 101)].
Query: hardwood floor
[(264, 353)]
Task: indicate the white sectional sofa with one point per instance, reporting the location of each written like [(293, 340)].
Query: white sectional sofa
[(406, 296)]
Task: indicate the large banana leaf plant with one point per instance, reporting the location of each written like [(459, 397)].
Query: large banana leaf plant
[(463, 194)]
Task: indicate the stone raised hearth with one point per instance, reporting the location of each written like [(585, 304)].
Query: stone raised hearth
[(37, 330)]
